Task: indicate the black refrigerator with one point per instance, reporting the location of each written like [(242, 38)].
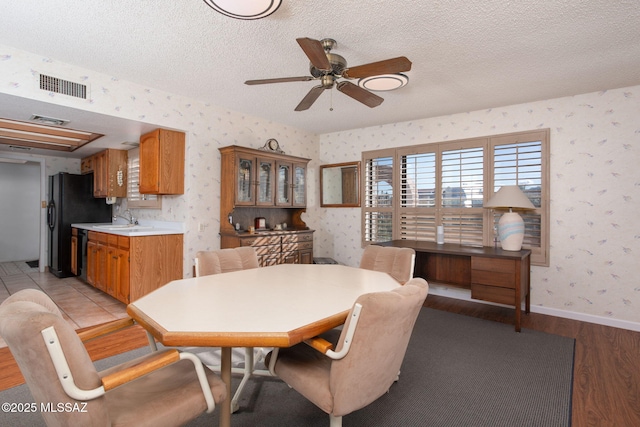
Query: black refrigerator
[(71, 201)]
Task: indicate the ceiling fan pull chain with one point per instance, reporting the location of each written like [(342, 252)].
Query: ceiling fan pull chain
[(331, 100)]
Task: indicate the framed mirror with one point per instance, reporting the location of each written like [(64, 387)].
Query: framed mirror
[(340, 185)]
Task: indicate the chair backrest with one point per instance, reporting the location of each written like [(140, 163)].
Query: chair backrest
[(378, 346), (398, 262), (23, 316), (225, 260)]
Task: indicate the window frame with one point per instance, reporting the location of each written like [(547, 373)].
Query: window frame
[(427, 218)]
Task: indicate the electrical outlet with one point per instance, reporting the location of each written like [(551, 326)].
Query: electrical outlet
[(201, 227)]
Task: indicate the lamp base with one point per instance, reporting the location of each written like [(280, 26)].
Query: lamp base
[(511, 231)]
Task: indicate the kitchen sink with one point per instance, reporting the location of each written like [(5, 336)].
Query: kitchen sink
[(123, 227)]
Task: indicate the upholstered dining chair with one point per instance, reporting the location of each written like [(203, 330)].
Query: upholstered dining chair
[(398, 262), (225, 261), (367, 358), (167, 388)]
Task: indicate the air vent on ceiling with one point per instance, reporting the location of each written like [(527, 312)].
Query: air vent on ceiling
[(44, 120), (19, 148), (65, 87)]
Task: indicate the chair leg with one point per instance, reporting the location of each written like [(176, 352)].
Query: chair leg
[(248, 369), (335, 421)]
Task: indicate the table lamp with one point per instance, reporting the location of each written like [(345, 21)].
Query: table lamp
[(511, 224)]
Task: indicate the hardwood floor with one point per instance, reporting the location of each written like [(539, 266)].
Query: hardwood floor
[(606, 382)]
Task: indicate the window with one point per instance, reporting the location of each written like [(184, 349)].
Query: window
[(448, 183), (135, 200), (378, 204)]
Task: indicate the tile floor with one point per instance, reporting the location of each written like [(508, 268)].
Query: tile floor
[(81, 304)]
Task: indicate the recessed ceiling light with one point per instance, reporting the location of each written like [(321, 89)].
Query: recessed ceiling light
[(384, 82), (19, 134)]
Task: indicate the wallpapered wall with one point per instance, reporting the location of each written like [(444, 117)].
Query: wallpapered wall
[(595, 199), (207, 127), (594, 146)]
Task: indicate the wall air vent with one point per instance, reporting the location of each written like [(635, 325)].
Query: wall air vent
[(65, 87)]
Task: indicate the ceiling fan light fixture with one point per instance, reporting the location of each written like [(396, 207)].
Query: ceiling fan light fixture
[(244, 9), (384, 82)]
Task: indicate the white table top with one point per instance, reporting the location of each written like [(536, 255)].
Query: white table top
[(270, 306)]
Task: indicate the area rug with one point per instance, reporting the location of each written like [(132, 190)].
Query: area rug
[(458, 371)]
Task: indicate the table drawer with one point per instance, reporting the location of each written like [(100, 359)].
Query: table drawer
[(493, 294), (493, 272)]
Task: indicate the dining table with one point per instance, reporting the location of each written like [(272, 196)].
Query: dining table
[(275, 306)]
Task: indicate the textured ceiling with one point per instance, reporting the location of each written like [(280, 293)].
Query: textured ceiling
[(467, 55)]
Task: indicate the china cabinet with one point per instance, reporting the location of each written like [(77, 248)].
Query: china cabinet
[(270, 185)]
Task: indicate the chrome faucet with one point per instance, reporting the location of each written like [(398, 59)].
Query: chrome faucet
[(131, 220)]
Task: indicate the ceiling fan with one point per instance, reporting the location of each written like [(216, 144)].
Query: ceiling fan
[(329, 67)]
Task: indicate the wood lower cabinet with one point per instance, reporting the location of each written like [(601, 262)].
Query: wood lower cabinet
[(129, 267), (278, 247), (74, 251)]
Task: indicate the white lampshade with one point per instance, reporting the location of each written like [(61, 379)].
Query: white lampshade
[(511, 225), (509, 196), (244, 9)]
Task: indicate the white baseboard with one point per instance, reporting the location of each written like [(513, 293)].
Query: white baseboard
[(465, 294)]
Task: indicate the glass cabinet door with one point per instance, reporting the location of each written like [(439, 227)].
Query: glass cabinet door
[(283, 184), (246, 182), (299, 185), (265, 182)]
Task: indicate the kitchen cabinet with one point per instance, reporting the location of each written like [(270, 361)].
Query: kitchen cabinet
[(129, 267), (109, 169), (74, 251), (162, 156)]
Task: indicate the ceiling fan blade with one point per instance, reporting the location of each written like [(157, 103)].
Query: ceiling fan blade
[(388, 66), (356, 92), (310, 98), (279, 80), (315, 52)]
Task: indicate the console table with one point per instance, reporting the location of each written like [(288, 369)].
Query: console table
[(492, 274)]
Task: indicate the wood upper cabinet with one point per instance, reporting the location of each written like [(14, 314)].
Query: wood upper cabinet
[(162, 156), (109, 169)]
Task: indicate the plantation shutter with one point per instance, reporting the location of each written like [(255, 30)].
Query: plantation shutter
[(134, 198), (461, 193), (520, 162), (417, 213), (378, 199)]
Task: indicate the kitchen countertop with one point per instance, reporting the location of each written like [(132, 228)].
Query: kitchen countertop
[(145, 228)]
